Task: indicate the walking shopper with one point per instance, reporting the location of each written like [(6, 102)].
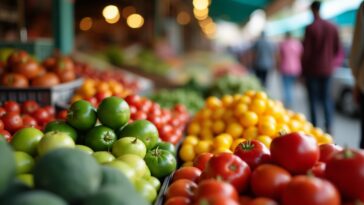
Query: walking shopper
[(357, 65), (289, 65), (263, 58), (321, 46)]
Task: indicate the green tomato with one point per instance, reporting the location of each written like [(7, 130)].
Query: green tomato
[(26, 179), (81, 115), (61, 126), (113, 112), (166, 146), (26, 140), (100, 138), (154, 182), (135, 162), (161, 163), (143, 130), (129, 145), (103, 157), (123, 168), (24, 162), (54, 140), (84, 148), (145, 189)]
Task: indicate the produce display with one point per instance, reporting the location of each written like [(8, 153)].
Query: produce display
[(21, 71), (224, 123), (98, 150), (14, 116), (192, 100), (295, 170), (233, 84)]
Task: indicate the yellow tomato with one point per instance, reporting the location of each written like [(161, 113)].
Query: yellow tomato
[(223, 140), (260, 95), (317, 132), (249, 118), (295, 125), (218, 113), (206, 124), (325, 139), (236, 142), (283, 118), (237, 97), (206, 134), (240, 108), (190, 139), (266, 140), (194, 128), (267, 128), (235, 130), (299, 116), (103, 87), (187, 164), (213, 102), (250, 133), (250, 93), (282, 128), (227, 100), (76, 98), (222, 150), (228, 115), (245, 100), (267, 119), (270, 109), (218, 127), (206, 113), (258, 106), (202, 146), (187, 152)]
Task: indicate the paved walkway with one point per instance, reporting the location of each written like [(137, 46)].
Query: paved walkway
[(345, 129)]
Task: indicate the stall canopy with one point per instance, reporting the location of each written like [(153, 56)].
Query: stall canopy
[(237, 11)]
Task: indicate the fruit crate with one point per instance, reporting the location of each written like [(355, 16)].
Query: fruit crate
[(59, 94)]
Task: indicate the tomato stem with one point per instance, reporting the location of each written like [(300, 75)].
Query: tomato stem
[(348, 154), (247, 146)]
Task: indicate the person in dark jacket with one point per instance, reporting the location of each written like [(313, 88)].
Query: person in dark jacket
[(321, 47)]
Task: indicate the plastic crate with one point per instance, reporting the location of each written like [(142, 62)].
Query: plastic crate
[(41, 49), (59, 94)]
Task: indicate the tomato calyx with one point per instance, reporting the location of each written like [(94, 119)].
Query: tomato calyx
[(248, 146), (282, 132), (233, 167), (347, 154), (108, 137)]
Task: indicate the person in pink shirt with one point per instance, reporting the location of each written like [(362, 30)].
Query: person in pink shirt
[(289, 59)]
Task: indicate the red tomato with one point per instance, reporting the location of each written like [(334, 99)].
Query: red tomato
[(41, 115), (2, 111), (29, 121), (201, 160), (253, 153), (229, 168), (146, 105), (182, 187), (100, 96), (6, 135), (190, 173), (93, 101), (269, 181), (244, 200), (180, 108), (262, 201), (178, 200), (304, 190), (133, 99), (212, 188), (139, 115), (156, 120), (50, 110), (346, 171), (216, 200), (12, 122), (173, 138), (327, 150), (62, 114), (1, 125), (295, 152), (319, 169), (29, 106), (11, 106)]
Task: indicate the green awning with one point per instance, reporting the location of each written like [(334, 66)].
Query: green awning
[(237, 11)]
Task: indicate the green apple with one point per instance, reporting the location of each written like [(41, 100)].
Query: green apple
[(26, 179), (53, 140), (24, 162), (145, 189), (84, 148), (129, 145), (123, 168), (103, 157), (137, 163), (154, 182), (26, 140)]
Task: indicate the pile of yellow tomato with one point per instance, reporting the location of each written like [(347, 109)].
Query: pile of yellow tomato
[(93, 87), (224, 123)]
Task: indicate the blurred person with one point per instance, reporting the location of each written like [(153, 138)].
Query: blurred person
[(289, 65), (321, 48), (263, 58), (357, 65)]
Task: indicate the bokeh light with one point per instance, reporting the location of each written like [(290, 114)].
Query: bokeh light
[(135, 21), (110, 12), (200, 4), (86, 23), (201, 14), (183, 18)]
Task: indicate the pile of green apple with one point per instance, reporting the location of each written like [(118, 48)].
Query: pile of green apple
[(132, 148)]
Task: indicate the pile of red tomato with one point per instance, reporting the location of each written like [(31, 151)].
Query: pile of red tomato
[(170, 122), (294, 171), (14, 116)]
